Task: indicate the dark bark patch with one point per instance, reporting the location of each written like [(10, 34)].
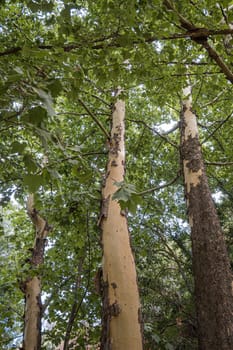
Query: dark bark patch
[(114, 309), (211, 267), (184, 109), (212, 274), (194, 165), (98, 281), (115, 141), (114, 285), (104, 209), (105, 179), (191, 152), (141, 323), (38, 251), (105, 342)]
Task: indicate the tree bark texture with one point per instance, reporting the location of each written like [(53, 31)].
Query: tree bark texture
[(32, 285), (121, 307), (32, 316), (211, 267)]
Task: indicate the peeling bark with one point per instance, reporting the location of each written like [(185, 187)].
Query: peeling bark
[(211, 267), (121, 324), (31, 287)]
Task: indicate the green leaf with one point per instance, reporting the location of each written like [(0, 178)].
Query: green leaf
[(30, 163), (83, 175), (127, 196), (45, 6), (33, 182), (156, 338), (124, 192), (54, 173), (33, 52), (46, 99), (18, 147), (55, 87), (18, 70), (36, 115), (14, 78), (44, 135), (33, 6)]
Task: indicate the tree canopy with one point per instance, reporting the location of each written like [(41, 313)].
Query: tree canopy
[(62, 63)]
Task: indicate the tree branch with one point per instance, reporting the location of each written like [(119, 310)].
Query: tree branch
[(214, 55), (163, 135), (200, 36), (193, 32), (160, 187), (218, 127), (175, 127), (75, 306), (215, 99), (219, 163), (95, 119)]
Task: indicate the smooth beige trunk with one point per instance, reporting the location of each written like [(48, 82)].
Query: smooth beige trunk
[(121, 309), (32, 317)]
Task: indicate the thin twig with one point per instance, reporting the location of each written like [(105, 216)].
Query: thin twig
[(217, 128), (95, 119), (98, 98), (199, 91), (162, 135), (175, 127), (56, 291), (219, 163), (75, 305), (160, 187), (215, 99)]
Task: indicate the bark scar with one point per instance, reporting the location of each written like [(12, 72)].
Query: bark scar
[(104, 209), (114, 309)]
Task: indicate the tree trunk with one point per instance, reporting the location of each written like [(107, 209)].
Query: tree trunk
[(121, 306), (211, 267), (32, 316), (31, 287)]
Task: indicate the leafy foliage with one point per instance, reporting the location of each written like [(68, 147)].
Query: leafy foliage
[(55, 54), (127, 196)]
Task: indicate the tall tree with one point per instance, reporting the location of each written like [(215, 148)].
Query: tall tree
[(211, 266), (121, 306), (31, 286), (52, 52)]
